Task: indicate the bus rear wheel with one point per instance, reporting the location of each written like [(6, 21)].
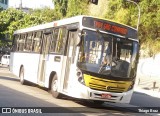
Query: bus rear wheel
[(21, 75), (54, 87)]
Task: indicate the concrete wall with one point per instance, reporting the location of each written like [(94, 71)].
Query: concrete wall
[(149, 67), (148, 72)]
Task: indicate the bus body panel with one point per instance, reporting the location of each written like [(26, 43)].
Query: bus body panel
[(53, 66), (11, 62), (30, 65)]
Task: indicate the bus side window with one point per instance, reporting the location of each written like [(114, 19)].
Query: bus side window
[(36, 42), (58, 41), (21, 42), (54, 40), (28, 43), (14, 45)]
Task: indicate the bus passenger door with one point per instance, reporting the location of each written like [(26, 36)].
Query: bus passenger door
[(43, 58), (71, 52)]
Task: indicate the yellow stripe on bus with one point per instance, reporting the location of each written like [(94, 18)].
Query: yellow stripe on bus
[(105, 84)]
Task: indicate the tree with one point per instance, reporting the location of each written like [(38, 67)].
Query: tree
[(77, 7), (127, 13), (60, 7), (12, 19), (1, 8), (69, 8), (47, 14)]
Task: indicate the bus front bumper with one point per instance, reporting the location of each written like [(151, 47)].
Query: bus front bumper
[(83, 92), (124, 97)]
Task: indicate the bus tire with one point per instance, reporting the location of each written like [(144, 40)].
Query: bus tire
[(21, 75), (54, 87)]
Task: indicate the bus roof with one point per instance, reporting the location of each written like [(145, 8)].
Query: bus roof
[(63, 22), (51, 24)]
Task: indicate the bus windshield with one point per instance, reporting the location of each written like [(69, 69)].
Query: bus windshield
[(107, 54)]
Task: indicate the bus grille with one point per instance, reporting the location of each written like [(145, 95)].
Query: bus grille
[(106, 85), (102, 84), (107, 89)]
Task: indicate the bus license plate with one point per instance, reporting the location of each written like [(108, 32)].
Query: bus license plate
[(105, 96)]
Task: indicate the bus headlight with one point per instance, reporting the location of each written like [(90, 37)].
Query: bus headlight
[(81, 80), (80, 76)]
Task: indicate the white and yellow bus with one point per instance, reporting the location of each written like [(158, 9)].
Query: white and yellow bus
[(83, 57)]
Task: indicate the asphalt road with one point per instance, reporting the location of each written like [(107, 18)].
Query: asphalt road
[(13, 94)]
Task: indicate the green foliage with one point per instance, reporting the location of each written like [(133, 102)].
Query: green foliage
[(6, 18), (12, 19), (69, 8), (150, 19), (149, 28), (47, 14), (60, 7), (99, 10), (1, 8), (77, 7), (121, 11)]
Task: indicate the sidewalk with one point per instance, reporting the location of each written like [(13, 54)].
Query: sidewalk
[(148, 74), (149, 83)]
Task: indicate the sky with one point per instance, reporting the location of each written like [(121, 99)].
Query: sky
[(31, 3)]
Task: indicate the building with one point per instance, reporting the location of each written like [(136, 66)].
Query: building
[(4, 4)]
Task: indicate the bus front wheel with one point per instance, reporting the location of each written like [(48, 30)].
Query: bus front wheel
[(54, 87)]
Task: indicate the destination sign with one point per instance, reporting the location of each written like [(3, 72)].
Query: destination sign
[(109, 26)]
